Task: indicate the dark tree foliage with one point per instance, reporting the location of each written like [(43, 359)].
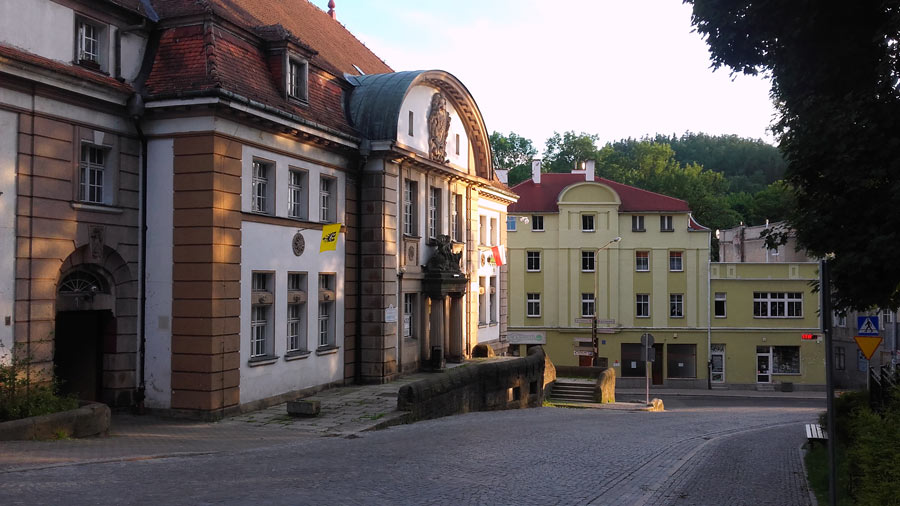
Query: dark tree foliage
[(834, 68), (513, 152), (564, 151)]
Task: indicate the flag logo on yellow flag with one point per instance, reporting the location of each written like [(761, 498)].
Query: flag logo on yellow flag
[(330, 237)]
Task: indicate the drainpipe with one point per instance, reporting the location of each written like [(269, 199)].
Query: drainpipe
[(135, 109), (709, 310)]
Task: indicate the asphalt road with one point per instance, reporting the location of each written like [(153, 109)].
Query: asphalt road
[(700, 452)]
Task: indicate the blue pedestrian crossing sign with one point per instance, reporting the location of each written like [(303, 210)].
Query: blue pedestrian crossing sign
[(868, 325)]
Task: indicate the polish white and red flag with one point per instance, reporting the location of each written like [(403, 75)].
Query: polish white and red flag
[(499, 255)]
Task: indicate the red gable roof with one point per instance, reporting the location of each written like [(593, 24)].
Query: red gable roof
[(11, 53), (542, 198)]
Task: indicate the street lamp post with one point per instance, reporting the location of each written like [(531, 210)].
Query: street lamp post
[(594, 339)]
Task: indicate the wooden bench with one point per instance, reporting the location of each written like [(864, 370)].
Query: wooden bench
[(814, 432)]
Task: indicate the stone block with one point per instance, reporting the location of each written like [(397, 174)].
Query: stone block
[(605, 392), (656, 404), (304, 408)]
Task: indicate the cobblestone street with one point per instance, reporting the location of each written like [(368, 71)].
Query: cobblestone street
[(733, 453)]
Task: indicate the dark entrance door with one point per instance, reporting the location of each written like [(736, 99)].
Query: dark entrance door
[(584, 361), (78, 351), (657, 370)]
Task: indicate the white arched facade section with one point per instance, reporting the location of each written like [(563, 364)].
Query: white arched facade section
[(414, 112)]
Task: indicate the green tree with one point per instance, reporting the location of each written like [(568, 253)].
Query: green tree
[(834, 69), (514, 153), (564, 151)]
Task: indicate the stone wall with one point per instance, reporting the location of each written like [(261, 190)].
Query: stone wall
[(501, 384)]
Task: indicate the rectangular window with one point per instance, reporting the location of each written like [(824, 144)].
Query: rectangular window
[(887, 316), (587, 261), (326, 310), (455, 205), (665, 224), (482, 230), (434, 212), (533, 261), (840, 358), (637, 223), (409, 315), (89, 42), (681, 360), (676, 305), (642, 309), (642, 261), (587, 304), (533, 305), (259, 330), (492, 299), (587, 222), (259, 282), (410, 192), (537, 223), (633, 366), (297, 79), (720, 305), (511, 223), (297, 194), (785, 360), (92, 174), (457, 144), (296, 312), (327, 199), (495, 231), (675, 261), (777, 304), (410, 132), (482, 301), (259, 193)]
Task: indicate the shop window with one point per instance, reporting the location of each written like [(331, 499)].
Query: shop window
[(632, 364), (681, 360)]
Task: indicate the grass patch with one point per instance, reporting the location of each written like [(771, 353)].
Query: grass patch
[(24, 395)]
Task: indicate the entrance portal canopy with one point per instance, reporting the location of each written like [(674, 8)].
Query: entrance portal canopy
[(417, 111)]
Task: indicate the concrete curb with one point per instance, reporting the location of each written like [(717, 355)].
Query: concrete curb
[(88, 420)]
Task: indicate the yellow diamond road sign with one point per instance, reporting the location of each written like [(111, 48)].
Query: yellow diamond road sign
[(868, 345)]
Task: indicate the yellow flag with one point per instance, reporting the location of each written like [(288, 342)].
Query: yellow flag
[(330, 237)]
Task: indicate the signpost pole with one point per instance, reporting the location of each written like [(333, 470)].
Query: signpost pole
[(647, 377), (825, 291)]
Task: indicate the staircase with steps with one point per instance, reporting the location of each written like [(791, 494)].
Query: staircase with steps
[(572, 391)]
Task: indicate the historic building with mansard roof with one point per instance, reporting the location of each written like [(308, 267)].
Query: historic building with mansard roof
[(210, 206)]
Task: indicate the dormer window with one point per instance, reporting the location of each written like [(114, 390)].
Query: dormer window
[(89, 43), (298, 76)]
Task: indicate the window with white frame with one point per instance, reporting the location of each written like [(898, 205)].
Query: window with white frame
[(92, 174), (642, 261), (261, 315), (327, 199), (482, 230), (840, 358), (326, 310), (887, 316), (839, 320), (434, 212), (676, 305), (482, 300), (410, 193), (720, 305), (298, 78), (409, 315), (642, 308), (785, 360), (637, 223), (495, 232), (296, 313), (587, 222), (587, 261), (777, 304), (297, 207), (455, 221), (89, 43), (665, 224), (260, 188), (675, 261), (533, 305), (492, 300), (533, 261), (537, 223), (511, 223), (587, 304)]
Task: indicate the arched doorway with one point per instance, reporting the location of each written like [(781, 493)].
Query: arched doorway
[(85, 330)]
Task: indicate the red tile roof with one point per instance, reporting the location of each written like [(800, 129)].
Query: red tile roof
[(12, 53), (542, 198)]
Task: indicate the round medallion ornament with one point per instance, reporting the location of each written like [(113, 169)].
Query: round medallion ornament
[(411, 253), (298, 244)]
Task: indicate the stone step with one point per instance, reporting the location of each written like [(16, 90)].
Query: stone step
[(563, 391)]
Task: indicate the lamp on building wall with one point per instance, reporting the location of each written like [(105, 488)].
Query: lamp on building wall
[(597, 297)]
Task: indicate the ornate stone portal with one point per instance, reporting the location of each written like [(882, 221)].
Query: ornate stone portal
[(443, 278), (438, 128)]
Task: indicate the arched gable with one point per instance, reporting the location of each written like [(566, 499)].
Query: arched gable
[(588, 192), (376, 105)]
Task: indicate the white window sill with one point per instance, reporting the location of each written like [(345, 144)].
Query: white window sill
[(264, 360), (296, 355), (96, 208), (326, 350)]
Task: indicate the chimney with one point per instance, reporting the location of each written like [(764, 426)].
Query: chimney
[(331, 10), (589, 170), (536, 171), (502, 175)]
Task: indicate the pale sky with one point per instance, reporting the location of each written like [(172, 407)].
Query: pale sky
[(618, 69)]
